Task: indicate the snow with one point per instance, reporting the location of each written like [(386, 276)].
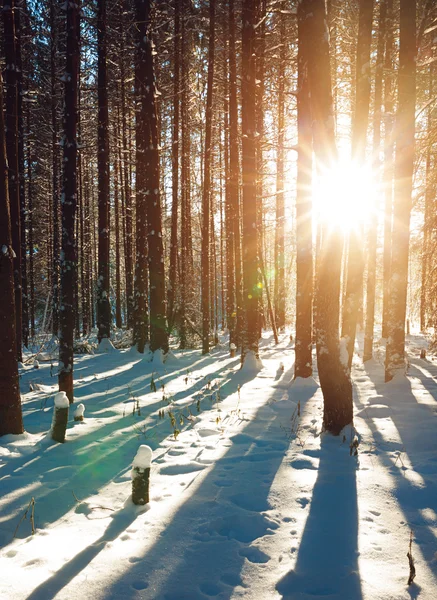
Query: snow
[(143, 458), (249, 499), (61, 400), (80, 410), (105, 346)]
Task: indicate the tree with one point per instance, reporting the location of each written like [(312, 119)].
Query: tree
[(149, 224), (304, 233), (359, 130), (68, 261), (373, 228), (11, 420), (251, 283), (11, 130), (404, 168), (334, 379), (279, 294), (206, 196), (103, 304)]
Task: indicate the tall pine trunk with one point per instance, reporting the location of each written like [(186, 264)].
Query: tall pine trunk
[(206, 195), (251, 284), (11, 129), (334, 379), (404, 168), (68, 261), (11, 420), (103, 304), (304, 233), (355, 263)]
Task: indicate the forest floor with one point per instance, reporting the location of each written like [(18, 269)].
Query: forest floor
[(248, 500)]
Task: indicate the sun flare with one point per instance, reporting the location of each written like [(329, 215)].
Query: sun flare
[(345, 196)]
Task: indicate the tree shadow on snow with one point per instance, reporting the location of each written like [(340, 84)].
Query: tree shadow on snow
[(327, 561)]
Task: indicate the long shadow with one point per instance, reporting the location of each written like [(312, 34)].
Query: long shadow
[(327, 561), (120, 522), (411, 498), (202, 550), (85, 472)]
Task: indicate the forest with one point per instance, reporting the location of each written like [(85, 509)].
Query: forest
[(217, 231)]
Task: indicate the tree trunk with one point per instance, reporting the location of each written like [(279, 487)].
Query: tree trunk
[(148, 193), (334, 379), (355, 262), (279, 293), (173, 271), (388, 159), (11, 130), (304, 233), (68, 262), (206, 196), (103, 304), (251, 283), (404, 168), (11, 420), (373, 227)]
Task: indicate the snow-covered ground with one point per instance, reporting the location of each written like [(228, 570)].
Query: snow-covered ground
[(248, 499)]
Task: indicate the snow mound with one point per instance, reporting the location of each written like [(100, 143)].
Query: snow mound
[(143, 458), (251, 363), (61, 400), (304, 382), (105, 346)]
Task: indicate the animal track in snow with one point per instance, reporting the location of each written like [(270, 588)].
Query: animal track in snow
[(254, 555)]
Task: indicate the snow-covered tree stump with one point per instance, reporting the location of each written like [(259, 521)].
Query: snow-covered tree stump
[(60, 417), (232, 350), (141, 475), (78, 413)]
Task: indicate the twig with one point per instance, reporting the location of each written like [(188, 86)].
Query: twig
[(32, 517), (411, 561)]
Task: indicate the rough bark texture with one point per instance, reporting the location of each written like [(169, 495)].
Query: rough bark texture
[(206, 195), (251, 283), (388, 158), (334, 379), (148, 193), (404, 168), (234, 178), (11, 132), (279, 292), (68, 262), (304, 233), (355, 268), (373, 229), (103, 304), (173, 271), (11, 420)]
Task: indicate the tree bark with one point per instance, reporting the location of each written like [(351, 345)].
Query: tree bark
[(404, 168), (103, 303), (304, 233), (68, 262), (355, 262), (11, 130), (251, 283), (334, 378), (373, 226), (11, 421), (206, 195)]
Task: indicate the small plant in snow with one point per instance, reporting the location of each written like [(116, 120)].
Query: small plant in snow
[(152, 384), (412, 573)]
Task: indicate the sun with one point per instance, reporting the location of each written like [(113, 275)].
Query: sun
[(345, 196)]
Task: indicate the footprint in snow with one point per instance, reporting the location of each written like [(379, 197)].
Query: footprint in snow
[(303, 463), (254, 555), (250, 502), (210, 589), (139, 585), (232, 579), (303, 501)]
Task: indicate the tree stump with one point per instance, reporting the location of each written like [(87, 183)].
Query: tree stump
[(60, 417), (423, 353), (141, 475)]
